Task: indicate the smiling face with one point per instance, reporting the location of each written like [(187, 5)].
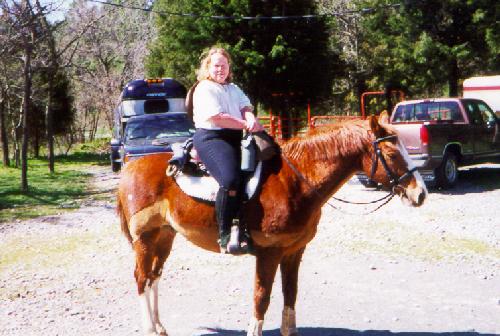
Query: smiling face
[(218, 68)]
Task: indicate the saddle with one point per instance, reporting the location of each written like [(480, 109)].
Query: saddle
[(194, 179)]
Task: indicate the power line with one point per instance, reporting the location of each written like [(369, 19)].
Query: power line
[(250, 18)]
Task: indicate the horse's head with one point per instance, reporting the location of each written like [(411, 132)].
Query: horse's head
[(389, 164)]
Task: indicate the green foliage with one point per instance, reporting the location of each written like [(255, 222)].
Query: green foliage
[(429, 46), (289, 57), (48, 193)]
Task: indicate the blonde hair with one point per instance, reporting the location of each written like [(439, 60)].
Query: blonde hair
[(202, 72)]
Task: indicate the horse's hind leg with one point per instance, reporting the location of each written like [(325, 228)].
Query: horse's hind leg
[(289, 267), (152, 249)]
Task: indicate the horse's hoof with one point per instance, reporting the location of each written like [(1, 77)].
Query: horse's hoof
[(161, 330)]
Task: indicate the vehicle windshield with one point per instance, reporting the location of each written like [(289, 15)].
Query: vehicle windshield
[(158, 128)]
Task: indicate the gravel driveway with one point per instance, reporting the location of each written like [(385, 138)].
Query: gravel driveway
[(433, 270)]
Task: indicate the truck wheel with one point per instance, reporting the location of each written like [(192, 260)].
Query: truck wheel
[(447, 172)]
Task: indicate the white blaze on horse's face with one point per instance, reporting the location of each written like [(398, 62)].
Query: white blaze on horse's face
[(414, 196)]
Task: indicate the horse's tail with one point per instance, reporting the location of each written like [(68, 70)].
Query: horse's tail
[(123, 220)]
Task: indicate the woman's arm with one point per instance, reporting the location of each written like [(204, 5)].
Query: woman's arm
[(225, 120)]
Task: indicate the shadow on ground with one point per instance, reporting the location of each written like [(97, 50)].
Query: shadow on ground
[(339, 332), (474, 180)]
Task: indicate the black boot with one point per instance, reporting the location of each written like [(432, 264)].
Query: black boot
[(227, 208)]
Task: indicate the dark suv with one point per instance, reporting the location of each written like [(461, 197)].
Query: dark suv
[(149, 134)]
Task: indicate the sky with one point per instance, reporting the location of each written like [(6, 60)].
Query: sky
[(58, 8)]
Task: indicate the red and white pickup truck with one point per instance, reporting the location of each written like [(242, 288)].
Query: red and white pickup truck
[(442, 134)]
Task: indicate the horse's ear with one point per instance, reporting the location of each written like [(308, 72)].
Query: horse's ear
[(377, 129), (383, 117)]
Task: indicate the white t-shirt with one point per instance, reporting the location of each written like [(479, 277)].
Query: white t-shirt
[(211, 98)]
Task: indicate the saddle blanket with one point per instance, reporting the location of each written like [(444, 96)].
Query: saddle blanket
[(206, 187)]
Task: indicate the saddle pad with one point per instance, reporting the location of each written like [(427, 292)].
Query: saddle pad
[(205, 187)]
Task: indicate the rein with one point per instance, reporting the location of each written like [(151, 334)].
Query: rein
[(394, 180)]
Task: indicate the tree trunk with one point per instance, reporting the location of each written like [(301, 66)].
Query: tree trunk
[(453, 78), (26, 113), (3, 131), (17, 134), (49, 124)]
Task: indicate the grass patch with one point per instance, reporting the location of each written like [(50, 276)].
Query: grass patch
[(49, 193)]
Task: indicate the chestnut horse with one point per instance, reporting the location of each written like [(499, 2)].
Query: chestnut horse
[(282, 217)]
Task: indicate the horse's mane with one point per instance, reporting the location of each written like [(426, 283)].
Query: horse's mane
[(330, 142)]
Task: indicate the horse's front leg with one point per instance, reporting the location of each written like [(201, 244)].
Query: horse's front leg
[(289, 282), (152, 249), (266, 266)]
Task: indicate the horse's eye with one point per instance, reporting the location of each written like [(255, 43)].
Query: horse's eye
[(392, 156)]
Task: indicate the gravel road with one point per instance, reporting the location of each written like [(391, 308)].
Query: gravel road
[(428, 271)]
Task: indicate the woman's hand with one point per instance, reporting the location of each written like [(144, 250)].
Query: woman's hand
[(253, 126), (251, 122)]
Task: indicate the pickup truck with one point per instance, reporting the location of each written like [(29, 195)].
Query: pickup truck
[(441, 134)]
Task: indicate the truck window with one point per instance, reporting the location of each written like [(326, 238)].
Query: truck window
[(425, 111), (473, 111), (422, 111), (450, 111), (486, 113), (155, 106), (403, 113), (413, 112)]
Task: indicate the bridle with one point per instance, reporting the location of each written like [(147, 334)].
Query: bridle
[(394, 180), (377, 156)]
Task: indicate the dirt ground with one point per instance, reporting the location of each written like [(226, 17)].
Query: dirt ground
[(434, 270)]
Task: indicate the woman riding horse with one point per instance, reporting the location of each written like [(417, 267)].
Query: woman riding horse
[(220, 112), (282, 218)]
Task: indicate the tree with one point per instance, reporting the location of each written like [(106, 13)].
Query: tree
[(24, 31), (3, 127), (290, 57), (53, 68), (350, 83), (110, 51), (19, 19), (430, 46)]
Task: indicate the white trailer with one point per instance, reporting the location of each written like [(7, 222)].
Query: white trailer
[(486, 88)]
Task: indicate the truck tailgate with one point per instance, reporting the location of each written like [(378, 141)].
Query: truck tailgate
[(409, 135)]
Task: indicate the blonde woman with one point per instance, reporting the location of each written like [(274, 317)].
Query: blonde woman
[(221, 111)]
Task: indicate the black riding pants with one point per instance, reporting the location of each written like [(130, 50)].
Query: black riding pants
[(220, 152)]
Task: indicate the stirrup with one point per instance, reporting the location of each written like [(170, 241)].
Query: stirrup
[(238, 243), (233, 246)]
